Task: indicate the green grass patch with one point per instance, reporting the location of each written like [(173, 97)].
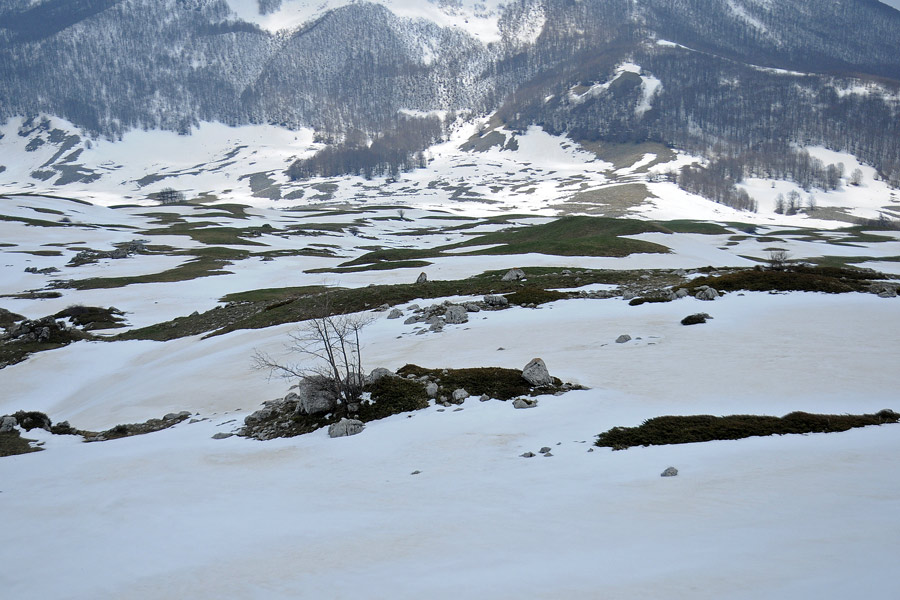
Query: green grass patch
[(13, 444), (380, 266), (535, 295), (833, 280), (496, 382), (273, 294), (662, 431), (39, 252), (209, 233), (391, 396), (701, 227)]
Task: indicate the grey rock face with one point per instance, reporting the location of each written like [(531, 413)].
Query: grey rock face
[(670, 472), (345, 427), (536, 373), (514, 275), (525, 403), (315, 397), (456, 315), (496, 300), (423, 278), (623, 338), (8, 424), (705, 292), (395, 314)]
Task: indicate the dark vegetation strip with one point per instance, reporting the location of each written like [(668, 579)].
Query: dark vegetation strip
[(662, 431)]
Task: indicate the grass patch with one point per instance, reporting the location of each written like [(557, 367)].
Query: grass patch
[(13, 444), (273, 294), (667, 430), (39, 252), (380, 266), (496, 382), (209, 233), (391, 396), (535, 295), (832, 280)]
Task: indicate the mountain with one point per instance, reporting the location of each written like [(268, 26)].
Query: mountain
[(733, 78)]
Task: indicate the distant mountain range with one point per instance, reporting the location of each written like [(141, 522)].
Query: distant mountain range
[(735, 77)]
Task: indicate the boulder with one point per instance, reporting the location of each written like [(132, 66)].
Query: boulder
[(8, 424), (514, 275), (695, 319), (395, 314), (536, 373), (315, 396), (345, 427), (472, 307), (496, 300), (623, 338), (524, 403), (379, 373), (431, 389), (456, 315), (670, 472), (704, 292), (459, 395), (423, 278)]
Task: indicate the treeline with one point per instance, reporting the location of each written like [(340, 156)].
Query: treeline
[(717, 183), (396, 151)]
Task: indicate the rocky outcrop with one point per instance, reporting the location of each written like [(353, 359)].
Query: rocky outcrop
[(456, 315), (496, 301), (8, 424), (313, 396), (704, 292), (345, 427), (536, 373)]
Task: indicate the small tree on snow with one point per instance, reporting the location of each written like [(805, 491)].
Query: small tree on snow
[(330, 350)]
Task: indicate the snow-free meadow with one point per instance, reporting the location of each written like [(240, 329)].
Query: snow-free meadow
[(439, 503)]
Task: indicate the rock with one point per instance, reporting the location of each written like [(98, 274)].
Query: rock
[(496, 300), (263, 414), (681, 293), (525, 403), (527, 455), (459, 395), (484, 398), (395, 314), (423, 278), (544, 450), (704, 292), (61, 428), (623, 338), (222, 436), (345, 427), (377, 374), (431, 389), (548, 454), (175, 416), (536, 373), (315, 396), (416, 472), (670, 472), (514, 275), (695, 319), (413, 319), (472, 307), (456, 315), (437, 324), (8, 424)]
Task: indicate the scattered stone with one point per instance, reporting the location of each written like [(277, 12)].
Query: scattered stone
[(345, 427), (456, 315), (496, 300), (415, 473), (431, 389), (459, 395), (514, 275), (590, 449), (458, 409), (413, 319), (423, 278), (536, 373), (525, 403), (544, 450), (696, 319), (670, 472), (484, 398), (681, 293), (173, 416), (395, 314), (623, 338), (222, 436), (527, 455), (547, 454), (704, 292), (472, 307)]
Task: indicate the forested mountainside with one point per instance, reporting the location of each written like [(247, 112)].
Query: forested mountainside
[(731, 77)]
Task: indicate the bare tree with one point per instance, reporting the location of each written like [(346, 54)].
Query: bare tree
[(856, 177), (778, 259), (331, 352)]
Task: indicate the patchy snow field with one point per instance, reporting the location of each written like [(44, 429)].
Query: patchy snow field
[(176, 513)]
